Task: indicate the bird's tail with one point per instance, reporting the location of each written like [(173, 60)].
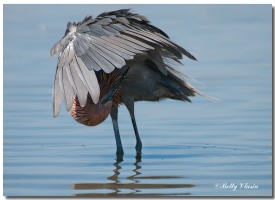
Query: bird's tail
[(174, 68)]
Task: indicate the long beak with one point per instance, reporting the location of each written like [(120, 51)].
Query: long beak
[(110, 95)]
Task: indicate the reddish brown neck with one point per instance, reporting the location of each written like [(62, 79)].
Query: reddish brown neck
[(91, 114)]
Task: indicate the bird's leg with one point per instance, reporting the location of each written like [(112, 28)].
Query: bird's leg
[(109, 97), (129, 103), (119, 151), (138, 143)]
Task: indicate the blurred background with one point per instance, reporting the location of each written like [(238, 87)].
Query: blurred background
[(195, 148)]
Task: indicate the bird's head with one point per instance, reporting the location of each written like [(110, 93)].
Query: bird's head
[(91, 114)]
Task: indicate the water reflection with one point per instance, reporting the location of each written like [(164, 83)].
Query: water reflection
[(136, 187)]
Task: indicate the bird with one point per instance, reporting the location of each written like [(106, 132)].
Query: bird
[(117, 58)]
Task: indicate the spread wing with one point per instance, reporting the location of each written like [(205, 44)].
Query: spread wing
[(104, 43)]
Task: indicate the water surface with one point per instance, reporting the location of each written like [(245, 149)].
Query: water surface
[(197, 149)]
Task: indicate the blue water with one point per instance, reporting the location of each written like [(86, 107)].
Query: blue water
[(198, 149)]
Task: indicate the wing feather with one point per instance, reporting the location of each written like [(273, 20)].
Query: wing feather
[(113, 58), (137, 35), (89, 62), (105, 43), (138, 42), (122, 45), (68, 90), (90, 79), (58, 93), (127, 55), (71, 79), (111, 30), (129, 43), (118, 27), (97, 30), (81, 90), (101, 61)]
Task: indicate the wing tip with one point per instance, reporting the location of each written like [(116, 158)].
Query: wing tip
[(194, 58), (52, 52), (55, 49), (55, 114), (213, 99)]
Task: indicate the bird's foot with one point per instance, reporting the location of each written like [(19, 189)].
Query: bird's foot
[(138, 149), (119, 155), (138, 157)]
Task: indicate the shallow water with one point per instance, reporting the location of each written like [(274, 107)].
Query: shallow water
[(197, 149)]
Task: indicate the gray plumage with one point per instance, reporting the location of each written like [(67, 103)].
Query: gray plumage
[(106, 42), (115, 41)]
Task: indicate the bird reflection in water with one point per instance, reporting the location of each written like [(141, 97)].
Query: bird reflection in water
[(137, 187)]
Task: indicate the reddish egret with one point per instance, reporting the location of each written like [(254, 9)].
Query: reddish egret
[(116, 58)]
